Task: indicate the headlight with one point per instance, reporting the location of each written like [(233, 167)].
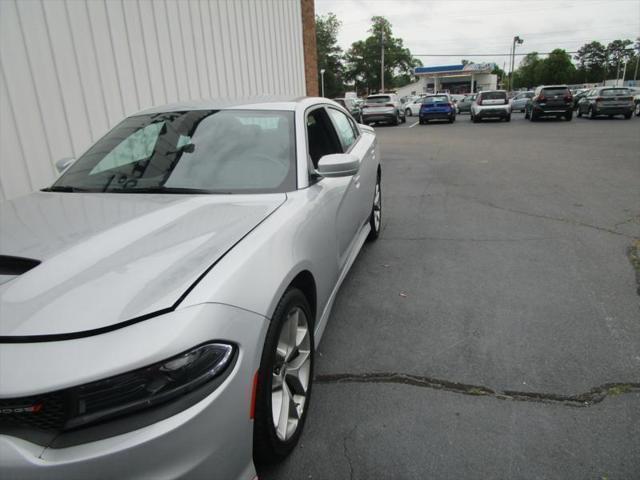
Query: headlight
[(121, 394)]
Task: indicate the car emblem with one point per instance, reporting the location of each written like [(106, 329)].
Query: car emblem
[(35, 408)]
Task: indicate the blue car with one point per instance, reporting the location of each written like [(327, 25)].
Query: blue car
[(437, 107)]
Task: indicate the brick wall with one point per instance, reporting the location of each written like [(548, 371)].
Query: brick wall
[(309, 44)]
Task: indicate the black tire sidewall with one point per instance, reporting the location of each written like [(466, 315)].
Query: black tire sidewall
[(373, 233), (267, 447)]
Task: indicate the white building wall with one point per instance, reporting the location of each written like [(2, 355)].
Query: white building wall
[(71, 69)]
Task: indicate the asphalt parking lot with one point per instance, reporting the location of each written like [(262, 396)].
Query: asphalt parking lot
[(493, 331)]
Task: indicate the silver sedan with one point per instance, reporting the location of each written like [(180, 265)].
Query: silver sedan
[(161, 301)]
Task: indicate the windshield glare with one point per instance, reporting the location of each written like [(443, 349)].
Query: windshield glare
[(216, 151), (432, 100)]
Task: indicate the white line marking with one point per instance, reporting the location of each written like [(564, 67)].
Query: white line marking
[(413, 125)]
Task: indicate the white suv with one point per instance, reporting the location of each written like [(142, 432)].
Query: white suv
[(383, 107), (491, 104)]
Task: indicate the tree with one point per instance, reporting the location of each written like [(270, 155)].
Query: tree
[(557, 68), (364, 59), (528, 72), (618, 52), (592, 60), (330, 57)]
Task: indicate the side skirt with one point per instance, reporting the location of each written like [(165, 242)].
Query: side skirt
[(357, 246)]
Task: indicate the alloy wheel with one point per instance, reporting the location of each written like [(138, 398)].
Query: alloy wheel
[(290, 375)]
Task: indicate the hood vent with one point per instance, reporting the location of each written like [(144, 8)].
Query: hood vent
[(16, 265)]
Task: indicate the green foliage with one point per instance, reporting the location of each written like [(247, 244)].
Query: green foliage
[(330, 56), (363, 59)]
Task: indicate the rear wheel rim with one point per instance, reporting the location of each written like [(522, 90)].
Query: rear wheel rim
[(377, 208), (290, 374)]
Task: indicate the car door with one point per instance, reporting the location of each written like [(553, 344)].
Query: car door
[(358, 196)]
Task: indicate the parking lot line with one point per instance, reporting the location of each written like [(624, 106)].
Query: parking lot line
[(413, 125)]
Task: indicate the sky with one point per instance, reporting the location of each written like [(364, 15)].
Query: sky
[(458, 28)]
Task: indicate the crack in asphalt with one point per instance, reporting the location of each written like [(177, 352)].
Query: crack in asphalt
[(453, 239), (585, 399), (546, 217), (633, 253), (346, 452)]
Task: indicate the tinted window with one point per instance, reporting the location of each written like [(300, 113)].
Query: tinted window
[(555, 91), (436, 99), (382, 99), (343, 127), (237, 151), (321, 136), (494, 95), (612, 92), (341, 102)]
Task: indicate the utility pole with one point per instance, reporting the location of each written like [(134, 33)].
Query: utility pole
[(382, 62)]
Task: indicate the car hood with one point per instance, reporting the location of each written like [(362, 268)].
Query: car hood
[(110, 258)]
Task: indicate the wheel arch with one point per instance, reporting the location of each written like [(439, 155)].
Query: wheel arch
[(306, 283)]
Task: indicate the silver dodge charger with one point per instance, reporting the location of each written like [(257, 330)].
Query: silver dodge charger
[(161, 302)]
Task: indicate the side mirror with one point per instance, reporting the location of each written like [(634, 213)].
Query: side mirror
[(64, 163), (338, 165)]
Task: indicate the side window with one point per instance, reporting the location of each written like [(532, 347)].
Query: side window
[(354, 126), (321, 136), (344, 128)]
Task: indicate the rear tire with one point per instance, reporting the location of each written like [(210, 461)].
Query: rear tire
[(526, 114), (407, 112), (591, 114), (627, 115), (533, 117), (579, 112), (375, 219), (292, 370), (507, 118), (569, 116), (396, 121)]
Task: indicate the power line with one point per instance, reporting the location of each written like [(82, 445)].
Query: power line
[(478, 54)]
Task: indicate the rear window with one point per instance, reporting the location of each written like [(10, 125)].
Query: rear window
[(614, 92), (382, 99), (555, 91), (438, 99), (494, 95)]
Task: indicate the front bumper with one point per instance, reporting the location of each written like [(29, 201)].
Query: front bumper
[(212, 438)]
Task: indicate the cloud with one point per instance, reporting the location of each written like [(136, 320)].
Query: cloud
[(464, 27)]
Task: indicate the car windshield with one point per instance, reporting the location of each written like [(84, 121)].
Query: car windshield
[(613, 92), (382, 99), (207, 151), (436, 99)]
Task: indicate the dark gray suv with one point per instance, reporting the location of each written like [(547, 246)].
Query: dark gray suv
[(550, 101)]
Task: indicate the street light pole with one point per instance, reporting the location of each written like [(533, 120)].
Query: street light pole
[(382, 62), (322, 80), (516, 41)]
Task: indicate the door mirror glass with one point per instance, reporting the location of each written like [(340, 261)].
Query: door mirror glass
[(63, 163), (338, 165)]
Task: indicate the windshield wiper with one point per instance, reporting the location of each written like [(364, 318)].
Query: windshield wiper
[(172, 190), (64, 188)]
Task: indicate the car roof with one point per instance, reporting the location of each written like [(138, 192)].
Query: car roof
[(249, 103)]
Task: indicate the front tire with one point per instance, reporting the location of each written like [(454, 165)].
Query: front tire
[(284, 379), (375, 219), (592, 115), (407, 112), (507, 118)]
